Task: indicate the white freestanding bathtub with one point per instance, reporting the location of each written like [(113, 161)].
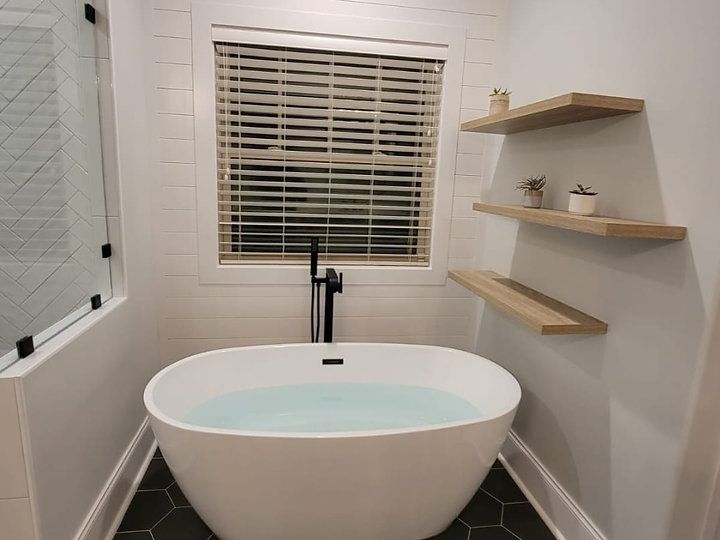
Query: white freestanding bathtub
[(386, 484)]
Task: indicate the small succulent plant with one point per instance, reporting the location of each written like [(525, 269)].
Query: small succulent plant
[(532, 183), (500, 92), (583, 190)]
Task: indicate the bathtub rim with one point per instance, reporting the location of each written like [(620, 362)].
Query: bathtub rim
[(154, 410)]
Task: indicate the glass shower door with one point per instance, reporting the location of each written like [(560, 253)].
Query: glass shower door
[(52, 204)]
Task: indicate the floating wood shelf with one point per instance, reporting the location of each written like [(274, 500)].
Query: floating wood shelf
[(598, 225), (557, 111), (541, 313)]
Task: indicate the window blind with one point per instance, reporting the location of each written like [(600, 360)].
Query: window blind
[(325, 143)]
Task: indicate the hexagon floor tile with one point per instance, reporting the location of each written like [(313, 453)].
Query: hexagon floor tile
[(498, 511)]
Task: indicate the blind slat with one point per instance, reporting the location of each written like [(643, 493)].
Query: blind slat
[(325, 143)]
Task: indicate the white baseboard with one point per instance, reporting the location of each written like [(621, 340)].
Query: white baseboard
[(557, 509), (108, 510)]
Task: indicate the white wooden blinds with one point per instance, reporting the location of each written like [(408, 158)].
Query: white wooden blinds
[(325, 143)]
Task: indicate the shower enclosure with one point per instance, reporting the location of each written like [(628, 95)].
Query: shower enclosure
[(52, 204)]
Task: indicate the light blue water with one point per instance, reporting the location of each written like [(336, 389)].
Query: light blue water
[(331, 407)]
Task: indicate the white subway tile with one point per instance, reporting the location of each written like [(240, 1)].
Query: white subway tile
[(174, 101), (469, 164), (471, 143), (475, 74), (404, 307), (224, 307), (176, 5), (258, 327), (180, 265), (175, 174), (175, 126), (175, 76), (475, 97), (13, 483), (184, 287), (480, 50), (382, 327), (464, 228), (212, 308), (172, 50), (176, 151), (471, 114), (461, 264), (468, 186), (178, 221), (463, 207), (481, 26), (171, 23), (16, 519), (463, 248), (178, 243), (481, 7), (265, 327), (178, 198)]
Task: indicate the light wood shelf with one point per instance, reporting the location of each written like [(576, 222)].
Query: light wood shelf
[(597, 225), (545, 315), (557, 111)]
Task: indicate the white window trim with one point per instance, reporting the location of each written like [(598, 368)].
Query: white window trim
[(315, 29)]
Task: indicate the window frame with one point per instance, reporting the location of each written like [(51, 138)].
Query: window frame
[(212, 22)]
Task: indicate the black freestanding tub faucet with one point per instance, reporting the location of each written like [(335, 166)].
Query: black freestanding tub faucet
[(333, 284)]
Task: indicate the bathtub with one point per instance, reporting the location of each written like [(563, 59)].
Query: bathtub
[(388, 484)]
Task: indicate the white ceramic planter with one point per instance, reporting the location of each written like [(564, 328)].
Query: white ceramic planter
[(499, 104), (583, 205), (532, 198)]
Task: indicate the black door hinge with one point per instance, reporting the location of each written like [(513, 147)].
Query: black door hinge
[(95, 301), (106, 251), (90, 13), (25, 346)]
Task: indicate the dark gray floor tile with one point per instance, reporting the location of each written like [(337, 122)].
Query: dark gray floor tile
[(524, 521), (181, 524), (491, 533), (500, 485), (157, 476), (158, 453), (482, 510), (497, 465), (145, 510), (456, 531), (177, 496), (137, 535)]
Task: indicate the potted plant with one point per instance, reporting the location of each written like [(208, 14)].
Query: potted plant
[(499, 101), (532, 190), (582, 200)]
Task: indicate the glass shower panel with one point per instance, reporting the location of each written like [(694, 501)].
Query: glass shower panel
[(52, 204)]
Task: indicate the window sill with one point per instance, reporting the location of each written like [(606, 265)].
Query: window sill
[(299, 274)]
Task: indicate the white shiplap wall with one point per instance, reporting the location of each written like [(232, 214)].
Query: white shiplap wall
[(197, 317)]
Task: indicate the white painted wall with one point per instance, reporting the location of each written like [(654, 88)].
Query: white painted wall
[(608, 415), (196, 317), (79, 396)]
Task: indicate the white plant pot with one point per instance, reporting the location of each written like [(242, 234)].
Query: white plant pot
[(499, 104), (532, 198), (583, 205)]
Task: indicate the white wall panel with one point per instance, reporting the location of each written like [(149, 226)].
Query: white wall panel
[(197, 317)]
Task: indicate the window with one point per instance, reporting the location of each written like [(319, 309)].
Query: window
[(326, 143)]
